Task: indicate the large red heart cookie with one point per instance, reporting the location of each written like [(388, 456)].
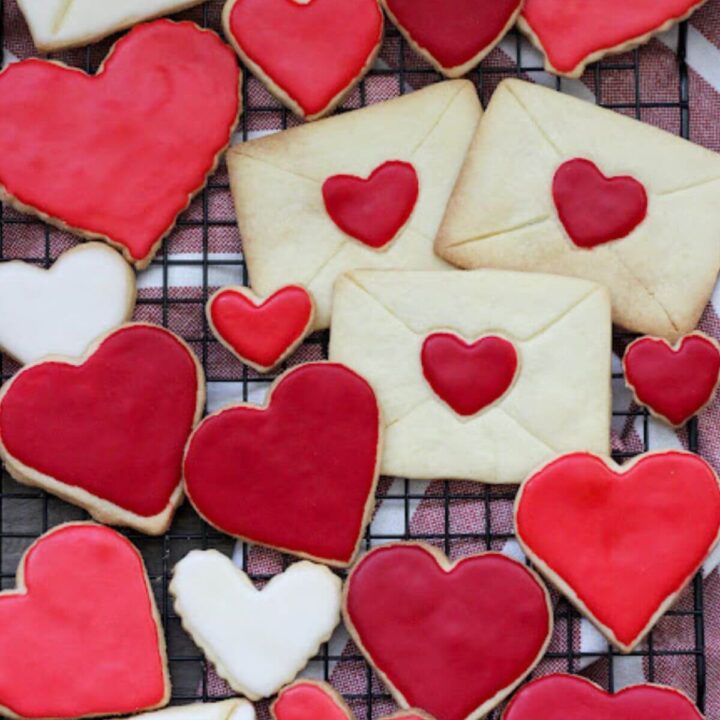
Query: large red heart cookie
[(620, 543), (117, 156), (569, 697), (80, 636), (298, 475), (107, 432), (573, 34), (451, 639), (454, 35), (469, 377), (675, 383), (310, 53), (595, 209)]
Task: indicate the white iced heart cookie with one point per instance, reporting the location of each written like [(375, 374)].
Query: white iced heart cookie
[(258, 640), (234, 709), (87, 292)]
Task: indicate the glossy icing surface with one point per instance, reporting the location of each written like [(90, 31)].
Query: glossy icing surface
[(638, 536), (118, 154), (296, 475), (469, 377), (595, 209), (308, 701), (114, 426), (447, 641), (373, 210), (83, 639)]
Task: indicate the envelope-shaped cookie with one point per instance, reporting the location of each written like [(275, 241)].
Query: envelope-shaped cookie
[(367, 189), (481, 375), (555, 184)]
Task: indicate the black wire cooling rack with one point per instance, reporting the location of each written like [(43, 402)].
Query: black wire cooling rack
[(205, 244)]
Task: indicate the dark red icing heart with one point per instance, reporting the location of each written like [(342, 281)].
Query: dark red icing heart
[(114, 426), (311, 51), (298, 475), (569, 697), (373, 210), (674, 383), (451, 641), (623, 542), (82, 640), (594, 209), (136, 141), (469, 377)]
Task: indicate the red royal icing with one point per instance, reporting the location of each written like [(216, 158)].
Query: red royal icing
[(637, 536), (454, 32), (469, 377), (448, 642), (137, 139), (674, 383), (114, 426), (594, 209), (308, 701), (570, 32), (83, 639), (373, 210), (312, 50), (296, 475), (568, 697), (262, 334)]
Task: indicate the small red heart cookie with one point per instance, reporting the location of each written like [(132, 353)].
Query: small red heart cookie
[(138, 139), (674, 383), (299, 474), (373, 210), (454, 639), (81, 635), (620, 543), (309, 53), (573, 34), (261, 333), (453, 35), (595, 209), (469, 377), (107, 431), (569, 697)]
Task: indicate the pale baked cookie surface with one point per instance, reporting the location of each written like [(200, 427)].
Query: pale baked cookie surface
[(234, 709)]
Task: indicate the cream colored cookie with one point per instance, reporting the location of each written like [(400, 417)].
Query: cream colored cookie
[(233, 709)]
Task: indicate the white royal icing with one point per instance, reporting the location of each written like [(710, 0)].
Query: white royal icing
[(235, 709)]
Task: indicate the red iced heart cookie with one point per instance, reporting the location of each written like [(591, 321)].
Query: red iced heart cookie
[(309, 52), (107, 432), (569, 697), (263, 333), (620, 543), (594, 209), (451, 639), (374, 210), (80, 636), (573, 34), (137, 141), (454, 35), (298, 475), (469, 377), (675, 383)]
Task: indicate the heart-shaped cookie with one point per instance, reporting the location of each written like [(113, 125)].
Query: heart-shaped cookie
[(453, 35), (673, 382), (309, 53), (595, 209), (620, 543), (572, 34), (453, 639), (569, 697), (81, 635), (258, 640), (298, 475), (138, 139), (107, 431), (261, 333), (469, 377)]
